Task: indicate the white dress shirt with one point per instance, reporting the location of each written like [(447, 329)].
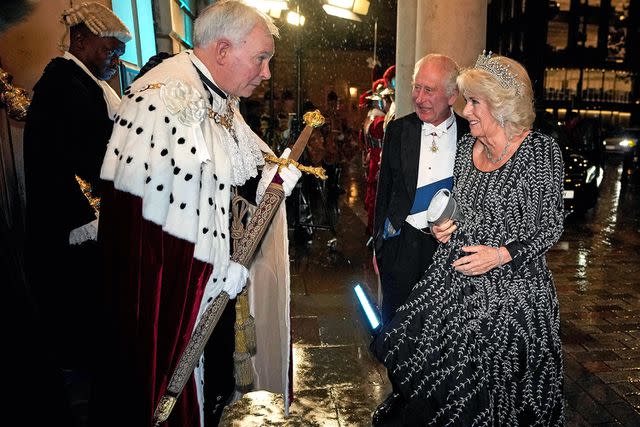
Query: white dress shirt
[(437, 156)]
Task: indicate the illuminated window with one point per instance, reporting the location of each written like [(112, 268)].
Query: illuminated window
[(618, 29), (564, 5), (591, 39), (182, 17), (558, 34), (592, 84), (561, 83), (598, 85), (137, 15)]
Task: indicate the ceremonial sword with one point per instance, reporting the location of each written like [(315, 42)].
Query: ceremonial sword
[(243, 254)]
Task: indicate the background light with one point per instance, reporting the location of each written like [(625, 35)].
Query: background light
[(345, 4), (265, 5), (294, 18), (627, 143), (361, 7), (353, 92), (273, 7), (340, 13)]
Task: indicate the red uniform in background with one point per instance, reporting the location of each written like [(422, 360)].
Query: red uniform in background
[(373, 133)]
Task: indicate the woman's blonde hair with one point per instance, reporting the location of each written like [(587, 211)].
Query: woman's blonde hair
[(505, 85)]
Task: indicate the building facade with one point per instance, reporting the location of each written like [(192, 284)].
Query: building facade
[(580, 54)]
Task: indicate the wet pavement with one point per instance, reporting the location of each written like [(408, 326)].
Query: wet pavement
[(596, 266)]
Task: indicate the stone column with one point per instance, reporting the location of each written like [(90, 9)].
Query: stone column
[(452, 27), (405, 54)]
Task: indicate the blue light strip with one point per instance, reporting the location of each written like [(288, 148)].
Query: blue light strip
[(366, 305)]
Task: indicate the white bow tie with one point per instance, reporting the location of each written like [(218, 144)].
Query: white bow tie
[(441, 129), (430, 129)]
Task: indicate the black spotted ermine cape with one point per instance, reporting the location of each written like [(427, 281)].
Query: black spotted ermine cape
[(169, 168)]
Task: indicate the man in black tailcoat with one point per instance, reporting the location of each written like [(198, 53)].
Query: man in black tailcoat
[(417, 160)]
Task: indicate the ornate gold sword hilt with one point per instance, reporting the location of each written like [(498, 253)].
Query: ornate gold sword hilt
[(318, 172)]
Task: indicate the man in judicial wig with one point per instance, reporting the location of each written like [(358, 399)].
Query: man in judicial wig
[(67, 128)]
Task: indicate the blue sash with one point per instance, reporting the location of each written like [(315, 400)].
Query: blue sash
[(421, 202), (425, 194)]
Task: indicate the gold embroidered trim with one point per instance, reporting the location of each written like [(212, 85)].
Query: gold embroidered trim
[(151, 86), (87, 191)]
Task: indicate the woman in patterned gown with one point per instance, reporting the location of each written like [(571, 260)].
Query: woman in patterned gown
[(478, 340)]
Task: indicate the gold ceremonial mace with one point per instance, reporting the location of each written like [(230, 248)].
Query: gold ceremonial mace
[(242, 254)]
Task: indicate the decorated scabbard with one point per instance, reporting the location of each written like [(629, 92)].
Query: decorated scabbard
[(243, 253)]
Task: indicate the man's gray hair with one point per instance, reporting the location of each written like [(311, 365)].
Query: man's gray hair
[(229, 19), (448, 65)]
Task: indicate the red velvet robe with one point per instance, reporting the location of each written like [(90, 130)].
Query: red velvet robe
[(159, 275), (164, 226)]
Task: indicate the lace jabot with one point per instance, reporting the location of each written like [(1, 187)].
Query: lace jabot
[(241, 144), (239, 141), (243, 150)]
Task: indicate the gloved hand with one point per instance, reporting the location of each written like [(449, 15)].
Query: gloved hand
[(290, 176), (237, 276)]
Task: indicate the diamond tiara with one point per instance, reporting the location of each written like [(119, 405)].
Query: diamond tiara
[(500, 71)]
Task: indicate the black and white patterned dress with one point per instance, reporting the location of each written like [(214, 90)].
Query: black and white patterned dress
[(485, 350)]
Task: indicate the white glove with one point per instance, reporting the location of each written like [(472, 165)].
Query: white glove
[(290, 176), (237, 276)]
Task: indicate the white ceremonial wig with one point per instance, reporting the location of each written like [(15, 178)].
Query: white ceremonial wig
[(229, 19), (99, 19)]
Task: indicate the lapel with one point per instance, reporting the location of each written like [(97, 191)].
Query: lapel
[(410, 152)]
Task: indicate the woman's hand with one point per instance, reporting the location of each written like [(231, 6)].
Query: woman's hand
[(481, 259), (444, 231)]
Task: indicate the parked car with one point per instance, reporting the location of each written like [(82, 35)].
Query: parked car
[(583, 162), (624, 143)]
